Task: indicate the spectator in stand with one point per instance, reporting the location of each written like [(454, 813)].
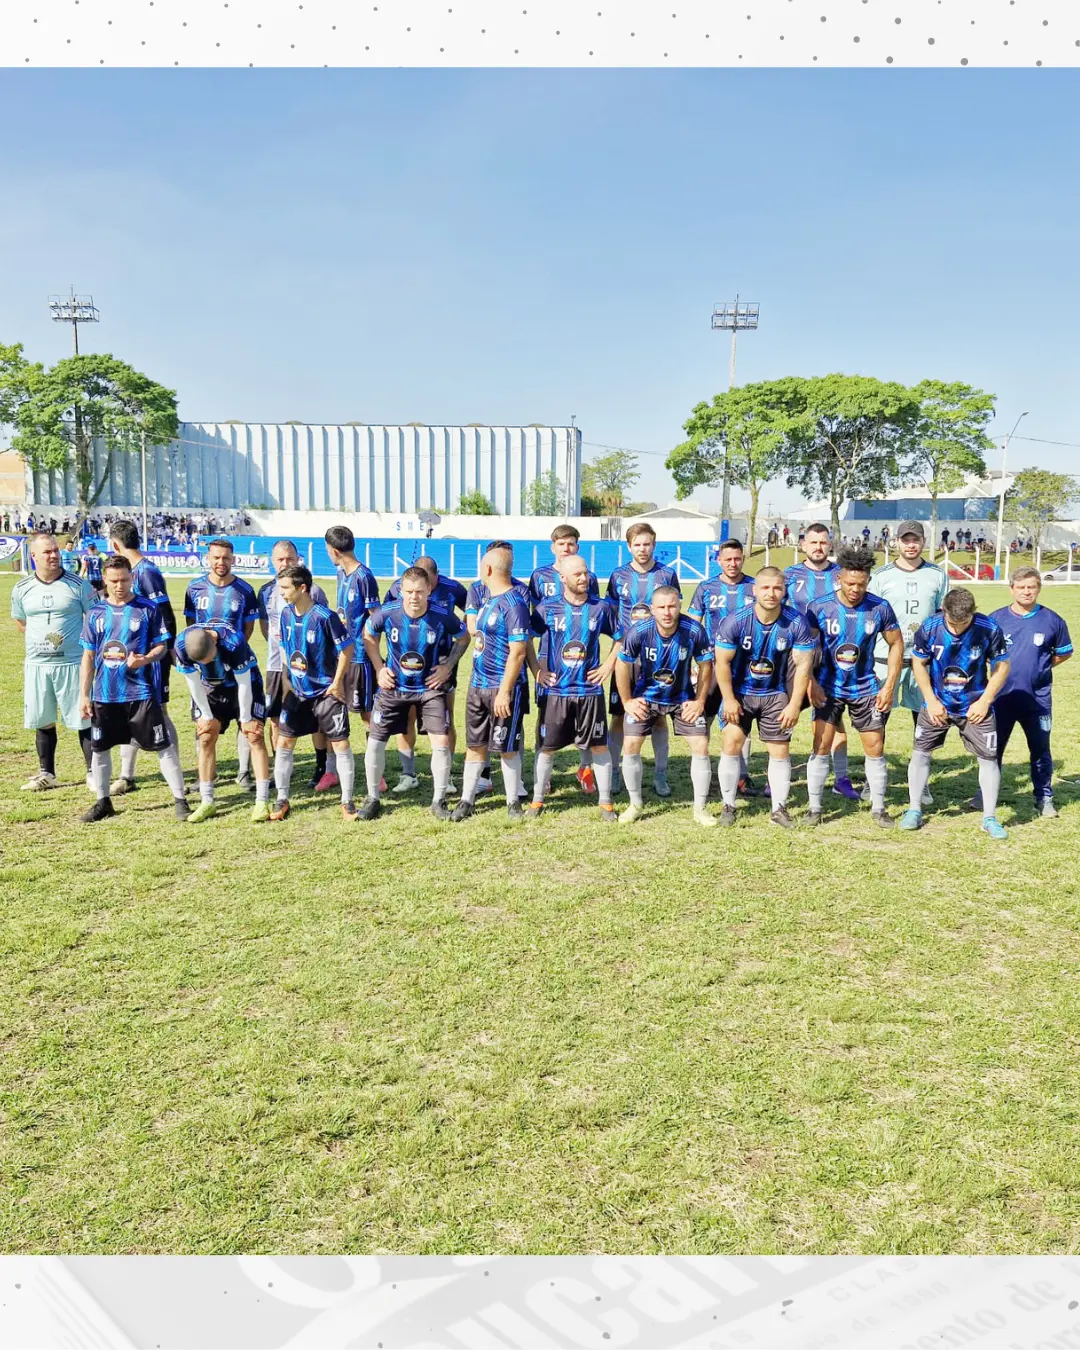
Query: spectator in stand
[(787, 537)]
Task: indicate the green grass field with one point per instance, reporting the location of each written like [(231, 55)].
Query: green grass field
[(555, 1037)]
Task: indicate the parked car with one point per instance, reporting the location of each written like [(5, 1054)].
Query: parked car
[(957, 573), (1062, 573)]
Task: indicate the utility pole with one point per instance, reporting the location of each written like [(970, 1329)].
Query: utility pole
[(571, 450), (74, 309), (142, 441), (730, 318), (1001, 493)]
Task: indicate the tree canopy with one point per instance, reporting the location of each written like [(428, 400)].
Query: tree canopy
[(1037, 497), (545, 496), (607, 480), (475, 504), (950, 439)]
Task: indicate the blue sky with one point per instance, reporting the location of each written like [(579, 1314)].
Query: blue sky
[(522, 246)]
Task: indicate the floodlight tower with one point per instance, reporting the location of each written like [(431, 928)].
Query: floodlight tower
[(732, 318), (74, 309)]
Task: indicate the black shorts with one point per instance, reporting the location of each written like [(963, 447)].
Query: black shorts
[(615, 706), (275, 693), (979, 737), (631, 727), (714, 701), (162, 672), (306, 716), (360, 687), (448, 691), (123, 723), (390, 715), (225, 703), (765, 710), (579, 720), (485, 731), (864, 712)]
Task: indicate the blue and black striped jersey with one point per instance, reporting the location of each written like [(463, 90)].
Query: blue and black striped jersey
[(665, 664), (414, 647), (546, 583), (570, 643), (233, 654), (235, 603), (310, 645), (112, 632), (714, 600), (633, 590), (93, 563), (848, 637), (763, 650), (477, 594), (503, 619), (959, 663), (446, 595), (147, 581), (806, 584), (357, 596)]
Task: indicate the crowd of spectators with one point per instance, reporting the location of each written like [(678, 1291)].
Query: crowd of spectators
[(166, 529)]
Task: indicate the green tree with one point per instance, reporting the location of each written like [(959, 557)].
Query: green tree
[(608, 479), (60, 412), (750, 429), (545, 496), (475, 504), (950, 439), (1037, 497), (849, 439)]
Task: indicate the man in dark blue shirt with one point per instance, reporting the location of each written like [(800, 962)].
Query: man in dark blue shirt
[(959, 661), (1038, 641), (756, 648), (123, 637), (423, 648), (357, 596), (316, 652), (655, 679), (92, 561), (570, 679), (849, 623)]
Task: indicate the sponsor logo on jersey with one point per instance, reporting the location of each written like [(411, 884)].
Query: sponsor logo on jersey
[(114, 653), (479, 643), (640, 611), (762, 668), (412, 662), (573, 653), (298, 663), (847, 656), (664, 677), (955, 678)]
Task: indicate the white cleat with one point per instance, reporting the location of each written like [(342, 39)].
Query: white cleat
[(40, 782), (705, 818), (630, 813), (406, 783)]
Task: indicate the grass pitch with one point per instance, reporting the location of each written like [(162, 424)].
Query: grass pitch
[(557, 1037)]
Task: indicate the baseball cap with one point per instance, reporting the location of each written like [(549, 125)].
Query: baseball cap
[(910, 527)]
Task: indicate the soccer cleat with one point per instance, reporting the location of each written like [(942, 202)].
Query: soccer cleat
[(660, 783), (406, 783), (260, 812), (483, 784), (181, 810), (883, 819), (608, 815), (746, 787), (534, 810), (440, 810), (616, 782), (244, 780), (782, 817), (865, 794), (102, 809), (326, 782), (369, 808), (705, 818), (119, 786), (204, 811), (994, 828), (1048, 810), (586, 778), (812, 818), (927, 797), (633, 812), (844, 787), (348, 811), (462, 811), (41, 782), (975, 803), (911, 819), (451, 789), (279, 810), (728, 816), (515, 811)]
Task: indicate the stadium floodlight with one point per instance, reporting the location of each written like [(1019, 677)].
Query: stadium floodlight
[(74, 309), (734, 318), (1001, 493)]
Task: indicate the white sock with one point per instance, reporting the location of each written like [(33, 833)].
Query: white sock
[(346, 769), (661, 745), (989, 785), (511, 775), (744, 756), (918, 775), (817, 770), (727, 775), (701, 777), (474, 769), (545, 762), (408, 764), (442, 760), (877, 778), (602, 768), (262, 789), (374, 765), (633, 773), (243, 753), (206, 791), (840, 762), (283, 767), (615, 740), (585, 757), (779, 780), (172, 770), (101, 772), (127, 760)]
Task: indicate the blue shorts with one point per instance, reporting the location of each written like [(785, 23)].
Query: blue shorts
[(51, 693)]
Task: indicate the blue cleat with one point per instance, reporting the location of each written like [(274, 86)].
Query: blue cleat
[(994, 828), (910, 820)]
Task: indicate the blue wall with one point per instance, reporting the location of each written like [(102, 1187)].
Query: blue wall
[(919, 508)]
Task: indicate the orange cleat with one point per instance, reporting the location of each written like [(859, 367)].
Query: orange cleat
[(279, 810), (586, 778)]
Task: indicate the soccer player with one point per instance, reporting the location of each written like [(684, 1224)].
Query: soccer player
[(446, 593), (270, 603), (755, 647), (813, 579), (848, 624), (915, 588), (653, 674), (712, 602), (1038, 641), (91, 561), (357, 596), (632, 587), (223, 676), (123, 636), (423, 648), (498, 697), (316, 651), (49, 605), (570, 681), (147, 581), (950, 657)]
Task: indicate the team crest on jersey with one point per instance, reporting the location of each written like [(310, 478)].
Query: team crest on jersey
[(1039, 639), (135, 623), (976, 652), (869, 627), (493, 619), (781, 644), (684, 652), (912, 588), (430, 638), (312, 635)]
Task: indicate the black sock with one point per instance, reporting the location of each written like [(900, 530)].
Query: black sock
[(86, 745), (45, 744), (320, 763), (914, 719)]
